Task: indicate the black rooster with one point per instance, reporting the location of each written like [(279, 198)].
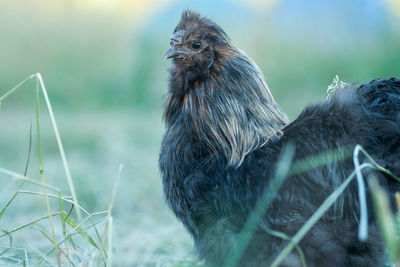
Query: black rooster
[(224, 136)]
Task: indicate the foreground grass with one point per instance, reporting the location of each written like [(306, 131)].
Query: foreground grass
[(136, 230)]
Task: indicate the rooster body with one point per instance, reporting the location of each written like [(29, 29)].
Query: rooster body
[(224, 136)]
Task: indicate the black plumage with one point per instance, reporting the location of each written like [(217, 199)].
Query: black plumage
[(225, 133)]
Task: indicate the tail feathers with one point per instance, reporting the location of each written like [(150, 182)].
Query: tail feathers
[(382, 98)]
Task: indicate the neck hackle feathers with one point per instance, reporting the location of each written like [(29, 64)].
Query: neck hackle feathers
[(218, 91)]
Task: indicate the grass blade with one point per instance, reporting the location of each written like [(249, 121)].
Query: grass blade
[(315, 217), (362, 198), (41, 169), (7, 94), (28, 224), (9, 244), (59, 143), (25, 171), (386, 220), (27, 179), (68, 236), (248, 229), (68, 219), (55, 245), (109, 218)]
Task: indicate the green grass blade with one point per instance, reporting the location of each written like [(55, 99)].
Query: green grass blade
[(7, 94), (287, 238), (386, 220), (25, 171), (319, 160), (315, 217), (110, 243), (55, 245), (266, 199), (29, 223), (377, 166), (68, 236), (70, 201), (41, 169), (362, 198), (27, 179), (8, 204), (29, 151), (10, 242), (109, 218), (68, 219), (59, 143)]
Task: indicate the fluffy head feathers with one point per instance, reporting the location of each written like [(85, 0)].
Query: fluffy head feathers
[(197, 26)]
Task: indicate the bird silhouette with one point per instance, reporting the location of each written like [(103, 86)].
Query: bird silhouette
[(225, 136)]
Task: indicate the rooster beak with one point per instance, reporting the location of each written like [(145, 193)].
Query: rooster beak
[(171, 52), (176, 39)]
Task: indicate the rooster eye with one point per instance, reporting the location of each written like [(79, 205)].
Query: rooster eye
[(196, 45)]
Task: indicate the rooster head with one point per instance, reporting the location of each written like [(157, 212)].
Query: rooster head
[(196, 43)]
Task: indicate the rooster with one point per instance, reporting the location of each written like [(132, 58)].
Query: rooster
[(224, 137)]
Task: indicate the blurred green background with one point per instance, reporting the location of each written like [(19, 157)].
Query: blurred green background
[(102, 64)]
